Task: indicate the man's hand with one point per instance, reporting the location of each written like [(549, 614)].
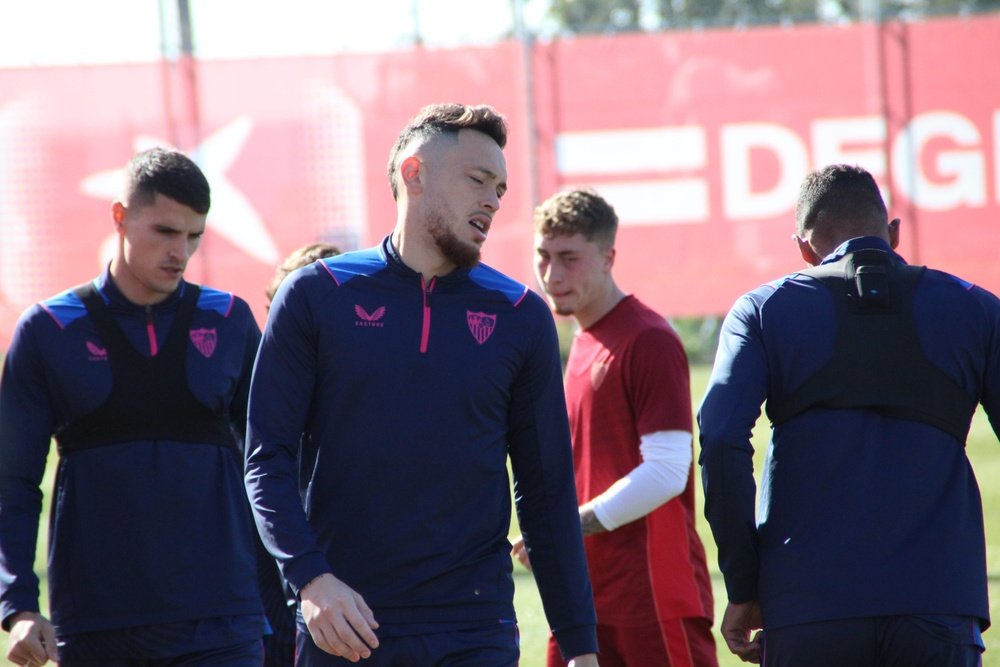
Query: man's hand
[(519, 551), (589, 523), (32, 640), (738, 622), (338, 619), (586, 660)]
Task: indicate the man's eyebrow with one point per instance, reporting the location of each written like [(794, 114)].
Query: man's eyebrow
[(485, 172), (488, 173)]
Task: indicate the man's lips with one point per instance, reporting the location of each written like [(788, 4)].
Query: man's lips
[(481, 223)]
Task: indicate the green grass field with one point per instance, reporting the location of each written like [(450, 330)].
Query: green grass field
[(983, 450)]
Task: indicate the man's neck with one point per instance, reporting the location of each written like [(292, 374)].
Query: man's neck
[(611, 297), (416, 253), (127, 286)]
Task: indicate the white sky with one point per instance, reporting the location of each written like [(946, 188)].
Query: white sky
[(64, 32)]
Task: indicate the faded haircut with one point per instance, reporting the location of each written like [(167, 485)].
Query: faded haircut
[(169, 173), (445, 119), (839, 199)]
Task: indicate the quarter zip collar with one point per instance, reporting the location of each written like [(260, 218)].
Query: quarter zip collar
[(117, 301), (152, 314), (392, 259)]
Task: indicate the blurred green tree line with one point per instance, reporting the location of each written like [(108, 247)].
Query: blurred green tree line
[(610, 16)]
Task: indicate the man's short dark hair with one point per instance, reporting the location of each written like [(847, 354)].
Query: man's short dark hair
[(840, 197), (580, 211), (438, 119), (169, 173)]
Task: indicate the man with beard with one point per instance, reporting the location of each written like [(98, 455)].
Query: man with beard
[(413, 372)]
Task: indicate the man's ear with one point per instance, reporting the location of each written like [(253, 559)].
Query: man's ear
[(894, 233), (411, 171), (811, 257), (609, 258), (118, 212)]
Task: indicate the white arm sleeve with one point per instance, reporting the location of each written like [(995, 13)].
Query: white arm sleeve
[(663, 474)]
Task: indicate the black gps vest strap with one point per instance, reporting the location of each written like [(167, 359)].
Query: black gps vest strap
[(150, 397), (878, 363)]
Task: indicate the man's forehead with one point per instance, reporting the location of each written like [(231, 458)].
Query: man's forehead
[(560, 242)]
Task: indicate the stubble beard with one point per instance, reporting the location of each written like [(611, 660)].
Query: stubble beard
[(464, 255), (566, 310)]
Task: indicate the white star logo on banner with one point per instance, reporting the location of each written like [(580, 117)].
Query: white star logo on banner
[(232, 215)]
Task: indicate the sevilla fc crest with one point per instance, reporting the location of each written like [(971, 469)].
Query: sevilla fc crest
[(204, 341), (481, 325)]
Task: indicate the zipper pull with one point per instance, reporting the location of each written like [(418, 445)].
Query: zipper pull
[(151, 331)]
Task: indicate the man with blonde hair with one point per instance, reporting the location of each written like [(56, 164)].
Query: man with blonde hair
[(629, 401)]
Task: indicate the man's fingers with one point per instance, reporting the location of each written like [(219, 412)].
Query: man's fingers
[(361, 628), (755, 654), (338, 618), (369, 617), (327, 637), (737, 646), (348, 634), (49, 642), (349, 642), (520, 552), (29, 661), (29, 650), (744, 650), (32, 640)]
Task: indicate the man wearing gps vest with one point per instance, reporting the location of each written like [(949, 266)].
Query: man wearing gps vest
[(868, 545), (142, 377)]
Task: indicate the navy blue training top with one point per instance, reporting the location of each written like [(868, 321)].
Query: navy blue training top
[(860, 514), (142, 533), (410, 396)]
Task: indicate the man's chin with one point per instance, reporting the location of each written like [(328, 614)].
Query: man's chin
[(565, 311), (471, 261), (167, 287), (462, 256)]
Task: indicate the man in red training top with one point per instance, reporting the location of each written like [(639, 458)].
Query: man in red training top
[(629, 401)]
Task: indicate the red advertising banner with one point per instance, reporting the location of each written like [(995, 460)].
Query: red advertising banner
[(699, 140)]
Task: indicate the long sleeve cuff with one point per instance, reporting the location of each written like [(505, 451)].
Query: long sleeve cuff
[(576, 641), (741, 587), (304, 569), (7, 611)]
